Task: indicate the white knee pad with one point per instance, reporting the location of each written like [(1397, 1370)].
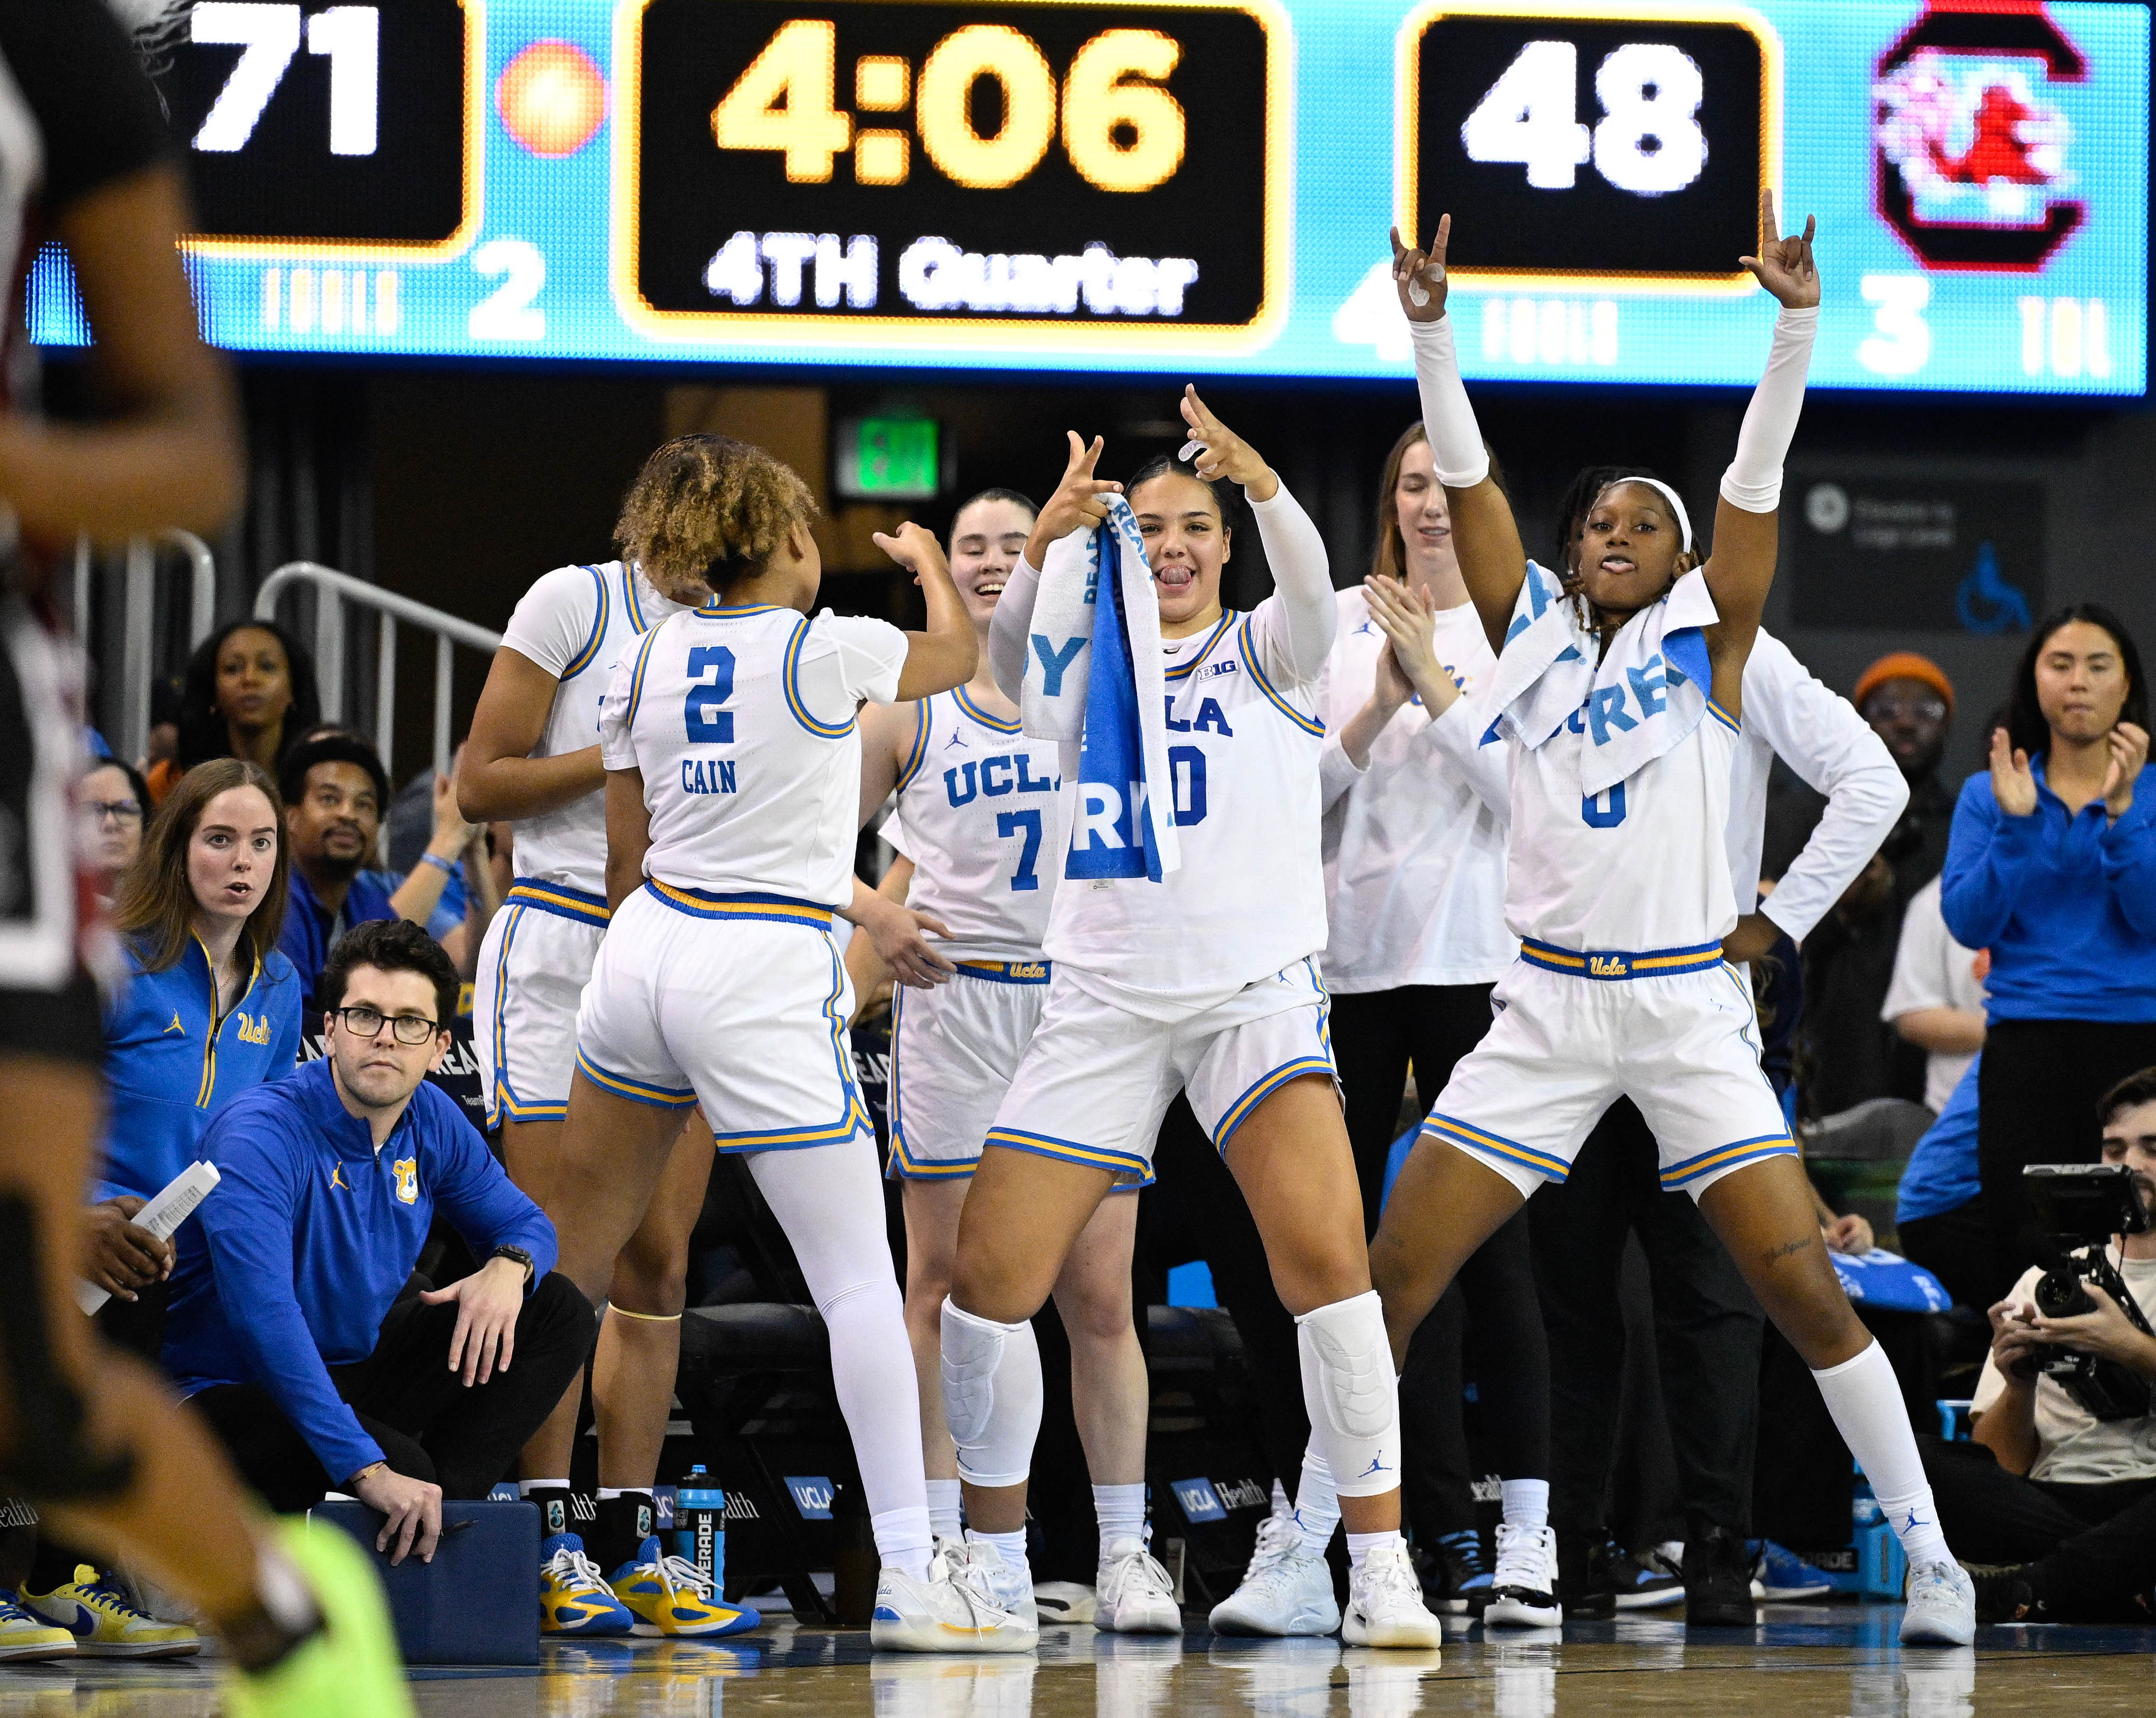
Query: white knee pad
[(991, 1396), (1352, 1396)]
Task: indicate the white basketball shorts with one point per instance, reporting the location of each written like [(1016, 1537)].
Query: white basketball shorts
[(736, 1002), (532, 966), (953, 1052), (1096, 1078), (1673, 1029)]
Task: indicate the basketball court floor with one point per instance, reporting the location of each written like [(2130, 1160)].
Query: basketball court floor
[(1838, 1661)]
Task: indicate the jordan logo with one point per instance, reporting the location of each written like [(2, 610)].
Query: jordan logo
[(175, 1026), (337, 1177), (1377, 1466)]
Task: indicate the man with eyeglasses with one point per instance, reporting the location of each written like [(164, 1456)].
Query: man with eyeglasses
[(1849, 959), (290, 1326)]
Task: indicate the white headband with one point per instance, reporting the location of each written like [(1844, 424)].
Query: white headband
[(1669, 495)]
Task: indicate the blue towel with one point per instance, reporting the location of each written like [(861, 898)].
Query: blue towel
[(1117, 713)]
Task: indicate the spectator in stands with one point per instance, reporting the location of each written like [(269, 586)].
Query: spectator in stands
[(471, 892), (1936, 1213), (210, 1010), (249, 692), (1936, 998), (112, 801), (1849, 958), (2064, 1501), (335, 788), (2053, 868), (288, 1326)]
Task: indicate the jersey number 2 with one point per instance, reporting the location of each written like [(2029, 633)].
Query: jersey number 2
[(707, 724), (1028, 823)]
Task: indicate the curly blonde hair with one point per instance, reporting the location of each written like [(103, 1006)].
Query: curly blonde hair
[(710, 507)]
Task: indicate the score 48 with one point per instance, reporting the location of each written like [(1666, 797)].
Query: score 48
[(1121, 130), (1685, 132)]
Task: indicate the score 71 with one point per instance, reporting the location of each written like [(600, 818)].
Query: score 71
[(351, 36)]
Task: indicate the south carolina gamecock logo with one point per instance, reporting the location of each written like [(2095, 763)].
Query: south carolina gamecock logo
[(1969, 154)]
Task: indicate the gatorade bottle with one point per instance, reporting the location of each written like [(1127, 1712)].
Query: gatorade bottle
[(699, 1526)]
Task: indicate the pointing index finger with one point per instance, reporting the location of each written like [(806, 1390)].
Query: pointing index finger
[(1441, 243), (1769, 229)]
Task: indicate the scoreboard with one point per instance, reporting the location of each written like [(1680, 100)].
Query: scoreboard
[(1202, 186)]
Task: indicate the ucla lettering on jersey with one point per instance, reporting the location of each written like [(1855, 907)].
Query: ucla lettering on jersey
[(1249, 898), (982, 816), (741, 720)]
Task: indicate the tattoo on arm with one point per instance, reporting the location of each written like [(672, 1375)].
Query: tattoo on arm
[(1789, 1248)]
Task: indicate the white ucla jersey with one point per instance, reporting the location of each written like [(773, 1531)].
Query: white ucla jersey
[(577, 622), (1641, 868), (982, 815), (1249, 898), (742, 721)]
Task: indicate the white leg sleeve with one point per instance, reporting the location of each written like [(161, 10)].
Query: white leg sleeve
[(829, 1202), (1865, 1398), (991, 1396), (1352, 1396)]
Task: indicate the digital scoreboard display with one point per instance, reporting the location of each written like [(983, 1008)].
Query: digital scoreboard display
[(1195, 186)]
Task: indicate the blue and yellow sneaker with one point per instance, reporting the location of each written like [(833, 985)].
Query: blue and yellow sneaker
[(23, 1636), (104, 1623), (670, 1597), (573, 1598)]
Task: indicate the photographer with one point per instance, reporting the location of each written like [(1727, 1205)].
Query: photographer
[(2064, 1501)]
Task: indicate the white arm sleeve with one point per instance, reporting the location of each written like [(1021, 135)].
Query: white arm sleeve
[(1753, 480), (1823, 739), (1336, 772), (1458, 733), (1297, 627), (1456, 441), (1009, 625)]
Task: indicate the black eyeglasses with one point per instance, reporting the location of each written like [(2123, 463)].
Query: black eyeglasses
[(121, 811), (363, 1022)]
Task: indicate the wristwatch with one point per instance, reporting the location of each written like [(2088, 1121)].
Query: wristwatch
[(520, 1256)]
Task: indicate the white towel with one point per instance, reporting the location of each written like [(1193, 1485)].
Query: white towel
[(1093, 678), (1647, 694)]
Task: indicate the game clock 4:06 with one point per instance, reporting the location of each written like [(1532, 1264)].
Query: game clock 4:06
[(1589, 146), (331, 130), (1020, 173)]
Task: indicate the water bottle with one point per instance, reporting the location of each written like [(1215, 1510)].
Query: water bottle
[(699, 1526)]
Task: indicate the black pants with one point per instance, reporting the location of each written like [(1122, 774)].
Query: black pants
[(1706, 1330), (2037, 1089), (2093, 1546), (1488, 1324), (1956, 1247), (429, 1425)]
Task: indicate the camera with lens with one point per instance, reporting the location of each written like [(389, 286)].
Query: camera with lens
[(2079, 1206)]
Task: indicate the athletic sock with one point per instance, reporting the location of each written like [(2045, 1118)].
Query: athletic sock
[(1009, 1546), (626, 1518), (1316, 1505), (1361, 1545), (1119, 1509), (1281, 1506), (282, 1617), (1526, 1503), (557, 1514), (1865, 1398), (903, 1539), (945, 1502)]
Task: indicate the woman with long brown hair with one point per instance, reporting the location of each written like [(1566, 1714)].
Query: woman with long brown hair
[(210, 1009)]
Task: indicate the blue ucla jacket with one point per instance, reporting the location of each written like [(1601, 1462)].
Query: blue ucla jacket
[(171, 1064), (295, 1257)]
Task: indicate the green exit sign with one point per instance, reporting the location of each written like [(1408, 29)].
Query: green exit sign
[(889, 458)]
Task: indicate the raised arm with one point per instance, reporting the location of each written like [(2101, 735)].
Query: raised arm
[(1747, 520), (1075, 504), (946, 655), (1484, 533), (1300, 630)]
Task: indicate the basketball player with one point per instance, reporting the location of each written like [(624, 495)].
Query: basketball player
[(533, 760), (1620, 710), (981, 819), (733, 777), (1204, 982)]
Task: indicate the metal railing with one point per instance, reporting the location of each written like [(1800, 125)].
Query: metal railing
[(138, 617), (333, 590)]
